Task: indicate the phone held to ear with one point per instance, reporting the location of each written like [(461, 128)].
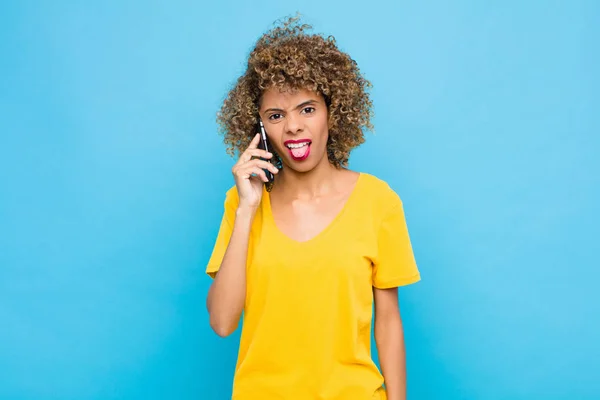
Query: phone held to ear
[(264, 145)]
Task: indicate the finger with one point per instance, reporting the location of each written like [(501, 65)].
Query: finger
[(258, 153), (254, 142), (245, 171), (252, 151), (261, 164), (258, 172)]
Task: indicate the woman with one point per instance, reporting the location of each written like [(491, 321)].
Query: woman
[(307, 257)]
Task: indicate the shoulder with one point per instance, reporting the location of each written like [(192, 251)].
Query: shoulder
[(232, 193), (232, 198), (379, 193)]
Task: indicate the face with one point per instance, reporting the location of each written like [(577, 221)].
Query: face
[(296, 125)]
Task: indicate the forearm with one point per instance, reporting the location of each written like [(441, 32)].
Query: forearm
[(227, 293), (389, 337)]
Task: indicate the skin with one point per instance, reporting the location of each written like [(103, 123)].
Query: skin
[(306, 197)]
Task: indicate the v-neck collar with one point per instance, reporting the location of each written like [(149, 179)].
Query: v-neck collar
[(270, 219)]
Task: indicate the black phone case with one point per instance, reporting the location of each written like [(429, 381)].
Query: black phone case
[(264, 145)]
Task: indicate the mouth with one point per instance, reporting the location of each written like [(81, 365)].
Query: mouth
[(299, 149)]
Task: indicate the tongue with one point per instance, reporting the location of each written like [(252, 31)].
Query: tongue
[(300, 152)]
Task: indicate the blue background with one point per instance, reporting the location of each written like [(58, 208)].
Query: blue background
[(112, 178)]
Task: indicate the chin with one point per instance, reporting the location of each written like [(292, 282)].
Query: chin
[(302, 166)]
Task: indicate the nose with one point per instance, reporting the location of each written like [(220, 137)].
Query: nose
[(293, 124)]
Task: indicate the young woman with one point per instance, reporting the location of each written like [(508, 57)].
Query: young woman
[(306, 258)]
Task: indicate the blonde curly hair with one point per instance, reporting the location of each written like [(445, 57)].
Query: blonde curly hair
[(288, 58)]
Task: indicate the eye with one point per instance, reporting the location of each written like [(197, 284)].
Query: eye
[(273, 117), (308, 110)]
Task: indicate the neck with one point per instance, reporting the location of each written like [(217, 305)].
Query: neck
[(307, 185)]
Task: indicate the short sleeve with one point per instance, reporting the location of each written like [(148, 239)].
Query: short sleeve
[(231, 203), (395, 263)]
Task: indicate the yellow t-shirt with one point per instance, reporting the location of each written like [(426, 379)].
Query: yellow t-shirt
[(306, 330)]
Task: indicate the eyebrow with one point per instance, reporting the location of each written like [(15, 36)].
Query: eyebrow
[(303, 104)]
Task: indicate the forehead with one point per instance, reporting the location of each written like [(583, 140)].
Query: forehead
[(284, 98)]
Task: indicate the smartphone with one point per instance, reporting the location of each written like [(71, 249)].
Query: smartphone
[(264, 145)]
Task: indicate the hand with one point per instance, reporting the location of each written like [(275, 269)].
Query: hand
[(249, 175)]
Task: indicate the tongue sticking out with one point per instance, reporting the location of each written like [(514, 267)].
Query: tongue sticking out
[(300, 152)]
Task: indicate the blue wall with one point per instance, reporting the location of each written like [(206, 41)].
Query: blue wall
[(112, 179)]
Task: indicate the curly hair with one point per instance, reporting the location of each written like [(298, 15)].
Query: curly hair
[(290, 59)]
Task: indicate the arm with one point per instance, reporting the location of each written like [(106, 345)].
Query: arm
[(389, 337), (227, 293)]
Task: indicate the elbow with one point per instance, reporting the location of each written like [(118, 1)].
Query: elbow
[(222, 329), (223, 320)]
